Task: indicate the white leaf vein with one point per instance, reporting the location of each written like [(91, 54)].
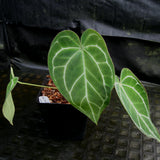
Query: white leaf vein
[(138, 114), (65, 68), (145, 105), (104, 84), (106, 58), (69, 37), (96, 91), (90, 35), (86, 89), (75, 82)]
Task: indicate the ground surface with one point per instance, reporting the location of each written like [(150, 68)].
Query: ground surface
[(114, 138)]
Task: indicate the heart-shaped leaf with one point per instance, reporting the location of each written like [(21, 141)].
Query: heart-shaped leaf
[(135, 100), (8, 109), (82, 71)]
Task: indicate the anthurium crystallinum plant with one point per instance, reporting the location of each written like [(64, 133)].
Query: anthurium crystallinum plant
[(83, 72)]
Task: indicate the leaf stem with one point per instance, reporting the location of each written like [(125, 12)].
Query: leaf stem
[(35, 85)]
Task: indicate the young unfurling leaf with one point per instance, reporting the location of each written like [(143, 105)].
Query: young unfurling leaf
[(8, 108)]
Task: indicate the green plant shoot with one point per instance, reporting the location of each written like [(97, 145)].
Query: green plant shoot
[(83, 72)]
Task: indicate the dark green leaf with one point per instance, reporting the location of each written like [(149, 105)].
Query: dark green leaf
[(82, 71), (135, 100)]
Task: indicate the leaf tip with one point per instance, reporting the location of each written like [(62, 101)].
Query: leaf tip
[(10, 119), (95, 121), (11, 123)]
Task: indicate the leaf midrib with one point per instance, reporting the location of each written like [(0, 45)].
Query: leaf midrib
[(140, 115), (85, 82)]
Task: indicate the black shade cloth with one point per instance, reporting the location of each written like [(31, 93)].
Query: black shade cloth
[(29, 48), (130, 28), (4, 60), (122, 18)]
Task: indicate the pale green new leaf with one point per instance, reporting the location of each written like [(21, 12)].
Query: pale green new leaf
[(82, 70), (8, 109), (135, 100)]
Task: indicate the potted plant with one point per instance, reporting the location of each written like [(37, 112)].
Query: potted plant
[(83, 72), (62, 120)]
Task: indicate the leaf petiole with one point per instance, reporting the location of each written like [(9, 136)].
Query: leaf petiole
[(35, 85)]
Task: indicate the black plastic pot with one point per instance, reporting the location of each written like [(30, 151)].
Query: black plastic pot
[(63, 121)]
